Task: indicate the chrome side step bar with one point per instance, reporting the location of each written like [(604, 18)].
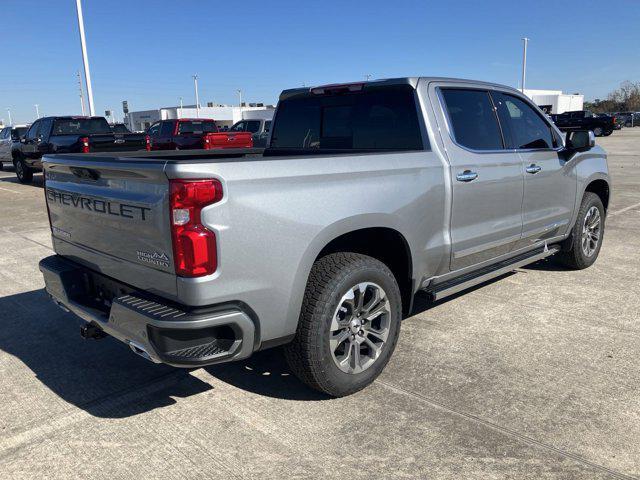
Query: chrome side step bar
[(451, 287)]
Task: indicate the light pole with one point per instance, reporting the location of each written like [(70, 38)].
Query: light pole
[(81, 94), (240, 96), (525, 41), (85, 58), (180, 110), (37, 111), (195, 86), (367, 77), (10, 121)]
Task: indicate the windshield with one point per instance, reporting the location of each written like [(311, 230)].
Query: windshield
[(195, 126), (373, 119), (80, 126)]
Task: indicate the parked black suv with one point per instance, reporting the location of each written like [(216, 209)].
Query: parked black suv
[(69, 135), (584, 120)]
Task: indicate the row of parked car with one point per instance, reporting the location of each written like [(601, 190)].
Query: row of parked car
[(602, 124), (24, 145)]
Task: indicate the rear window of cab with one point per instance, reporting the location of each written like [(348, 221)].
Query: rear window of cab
[(371, 119)]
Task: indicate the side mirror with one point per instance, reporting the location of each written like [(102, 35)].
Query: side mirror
[(23, 139), (580, 141)]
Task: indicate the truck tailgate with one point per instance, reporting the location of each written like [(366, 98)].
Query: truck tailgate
[(109, 211), (228, 140), (117, 142)]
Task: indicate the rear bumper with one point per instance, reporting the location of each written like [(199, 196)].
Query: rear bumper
[(158, 331)]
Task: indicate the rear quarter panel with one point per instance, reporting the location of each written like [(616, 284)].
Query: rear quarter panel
[(278, 214)]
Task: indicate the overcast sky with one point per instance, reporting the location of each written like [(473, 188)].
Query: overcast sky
[(146, 51)]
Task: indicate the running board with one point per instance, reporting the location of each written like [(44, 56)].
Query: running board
[(451, 287)]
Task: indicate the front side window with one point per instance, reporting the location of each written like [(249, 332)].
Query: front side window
[(523, 126), (371, 119), (238, 127), (33, 131), (473, 119), (253, 126)]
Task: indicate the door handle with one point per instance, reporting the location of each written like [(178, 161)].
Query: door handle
[(533, 168), (466, 176)]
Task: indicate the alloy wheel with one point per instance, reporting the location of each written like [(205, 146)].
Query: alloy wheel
[(591, 231), (360, 327)]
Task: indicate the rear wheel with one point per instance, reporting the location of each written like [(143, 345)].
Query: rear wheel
[(597, 131), (608, 132), (583, 247), (23, 172), (349, 324)]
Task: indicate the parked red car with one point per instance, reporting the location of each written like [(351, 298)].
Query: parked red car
[(194, 133)]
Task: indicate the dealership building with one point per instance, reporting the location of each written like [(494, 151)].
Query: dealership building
[(224, 115), (554, 101)]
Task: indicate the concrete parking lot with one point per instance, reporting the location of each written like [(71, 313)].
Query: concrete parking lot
[(534, 375)]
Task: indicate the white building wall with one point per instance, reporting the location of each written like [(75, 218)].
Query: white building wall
[(559, 102)]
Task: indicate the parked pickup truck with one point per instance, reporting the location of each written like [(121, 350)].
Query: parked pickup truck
[(194, 133), (259, 129), (69, 135), (585, 120), (9, 135), (368, 193)]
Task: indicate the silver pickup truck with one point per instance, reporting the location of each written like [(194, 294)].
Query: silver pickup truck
[(367, 194)]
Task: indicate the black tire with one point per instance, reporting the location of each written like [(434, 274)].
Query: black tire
[(598, 131), (1, 166), (607, 133), (23, 171), (310, 356), (573, 254)]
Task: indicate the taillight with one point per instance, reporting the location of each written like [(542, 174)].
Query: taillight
[(194, 247), (84, 144), (147, 144)]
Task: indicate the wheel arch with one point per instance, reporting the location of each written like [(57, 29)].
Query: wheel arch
[(355, 234)]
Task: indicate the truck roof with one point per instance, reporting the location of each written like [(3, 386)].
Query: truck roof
[(411, 81)]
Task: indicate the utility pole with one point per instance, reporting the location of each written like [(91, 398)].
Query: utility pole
[(81, 94), (240, 96), (525, 41), (195, 86), (180, 110), (85, 58), (10, 121), (37, 111)]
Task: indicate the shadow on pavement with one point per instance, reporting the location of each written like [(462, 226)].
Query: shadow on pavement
[(265, 373), (38, 179), (95, 375)]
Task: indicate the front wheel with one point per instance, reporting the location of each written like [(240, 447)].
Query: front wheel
[(597, 131), (349, 324), (607, 133), (23, 172), (583, 246)]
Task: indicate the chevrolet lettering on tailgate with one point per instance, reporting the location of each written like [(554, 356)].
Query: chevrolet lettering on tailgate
[(98, 206)]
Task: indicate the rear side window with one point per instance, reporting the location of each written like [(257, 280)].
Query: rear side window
[(473, 119), (368, 120), (197, 126), (523, 126), (253, 126)]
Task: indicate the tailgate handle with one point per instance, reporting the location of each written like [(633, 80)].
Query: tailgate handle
[(85, 173)]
